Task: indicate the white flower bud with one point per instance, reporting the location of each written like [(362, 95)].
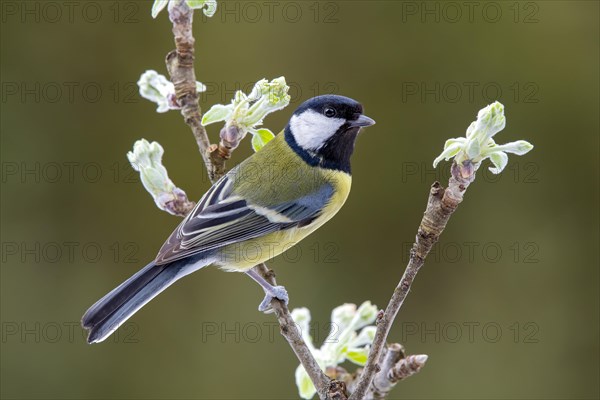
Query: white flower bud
[(341, 316), (147, 159), (158, 89), (477, 145)]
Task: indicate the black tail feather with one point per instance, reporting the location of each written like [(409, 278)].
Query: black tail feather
[(104, 317)]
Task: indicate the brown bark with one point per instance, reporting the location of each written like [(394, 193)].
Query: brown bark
[(180, 64)]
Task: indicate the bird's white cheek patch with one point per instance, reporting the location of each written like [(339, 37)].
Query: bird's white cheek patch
[(311, 129)]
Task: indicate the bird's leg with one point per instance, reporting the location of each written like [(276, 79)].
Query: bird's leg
[(271, 292)]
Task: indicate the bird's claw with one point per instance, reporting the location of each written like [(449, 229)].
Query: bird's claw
[(276, 292)]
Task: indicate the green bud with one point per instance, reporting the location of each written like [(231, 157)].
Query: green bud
[(470, 130), (154, 180), (499, 159), (240, 97), (209, 11), (246, 112), (448, 153), (365, 315), (146, 158), (260, 137), (257, 90), (158, 6), (267, 97), (455, 141), (358, 355), (343, 343), (217, 113), (277, 93), (209, 7), (520, 147), (158, 89), (366, 336), (341, 316), (301, 317), (490, 121), (306, 389), (478, 143), (473, 149)]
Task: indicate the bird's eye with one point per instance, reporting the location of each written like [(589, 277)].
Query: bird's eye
[(329, 112)]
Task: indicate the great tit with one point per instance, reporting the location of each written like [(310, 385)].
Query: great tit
[(259, 209)]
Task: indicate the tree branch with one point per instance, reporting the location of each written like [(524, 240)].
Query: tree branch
[(291, 333), (394, 367), (440, 206), (180, 64), (382, 384)]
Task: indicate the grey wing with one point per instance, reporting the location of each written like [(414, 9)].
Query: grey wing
[(221, 218)]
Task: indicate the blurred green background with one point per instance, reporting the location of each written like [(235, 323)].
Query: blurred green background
[(506, 308)]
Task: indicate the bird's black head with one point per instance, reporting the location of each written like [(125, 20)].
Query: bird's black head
[(323, 130)]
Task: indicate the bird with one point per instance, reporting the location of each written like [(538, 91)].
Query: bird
[(266, 204)]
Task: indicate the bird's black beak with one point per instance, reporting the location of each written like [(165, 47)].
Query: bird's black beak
[(361, 121)]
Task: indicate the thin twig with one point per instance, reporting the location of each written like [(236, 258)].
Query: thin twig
[(406, 367), (440, 206), (291, 333), (382, 385), (395, 367), (180, 64)]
